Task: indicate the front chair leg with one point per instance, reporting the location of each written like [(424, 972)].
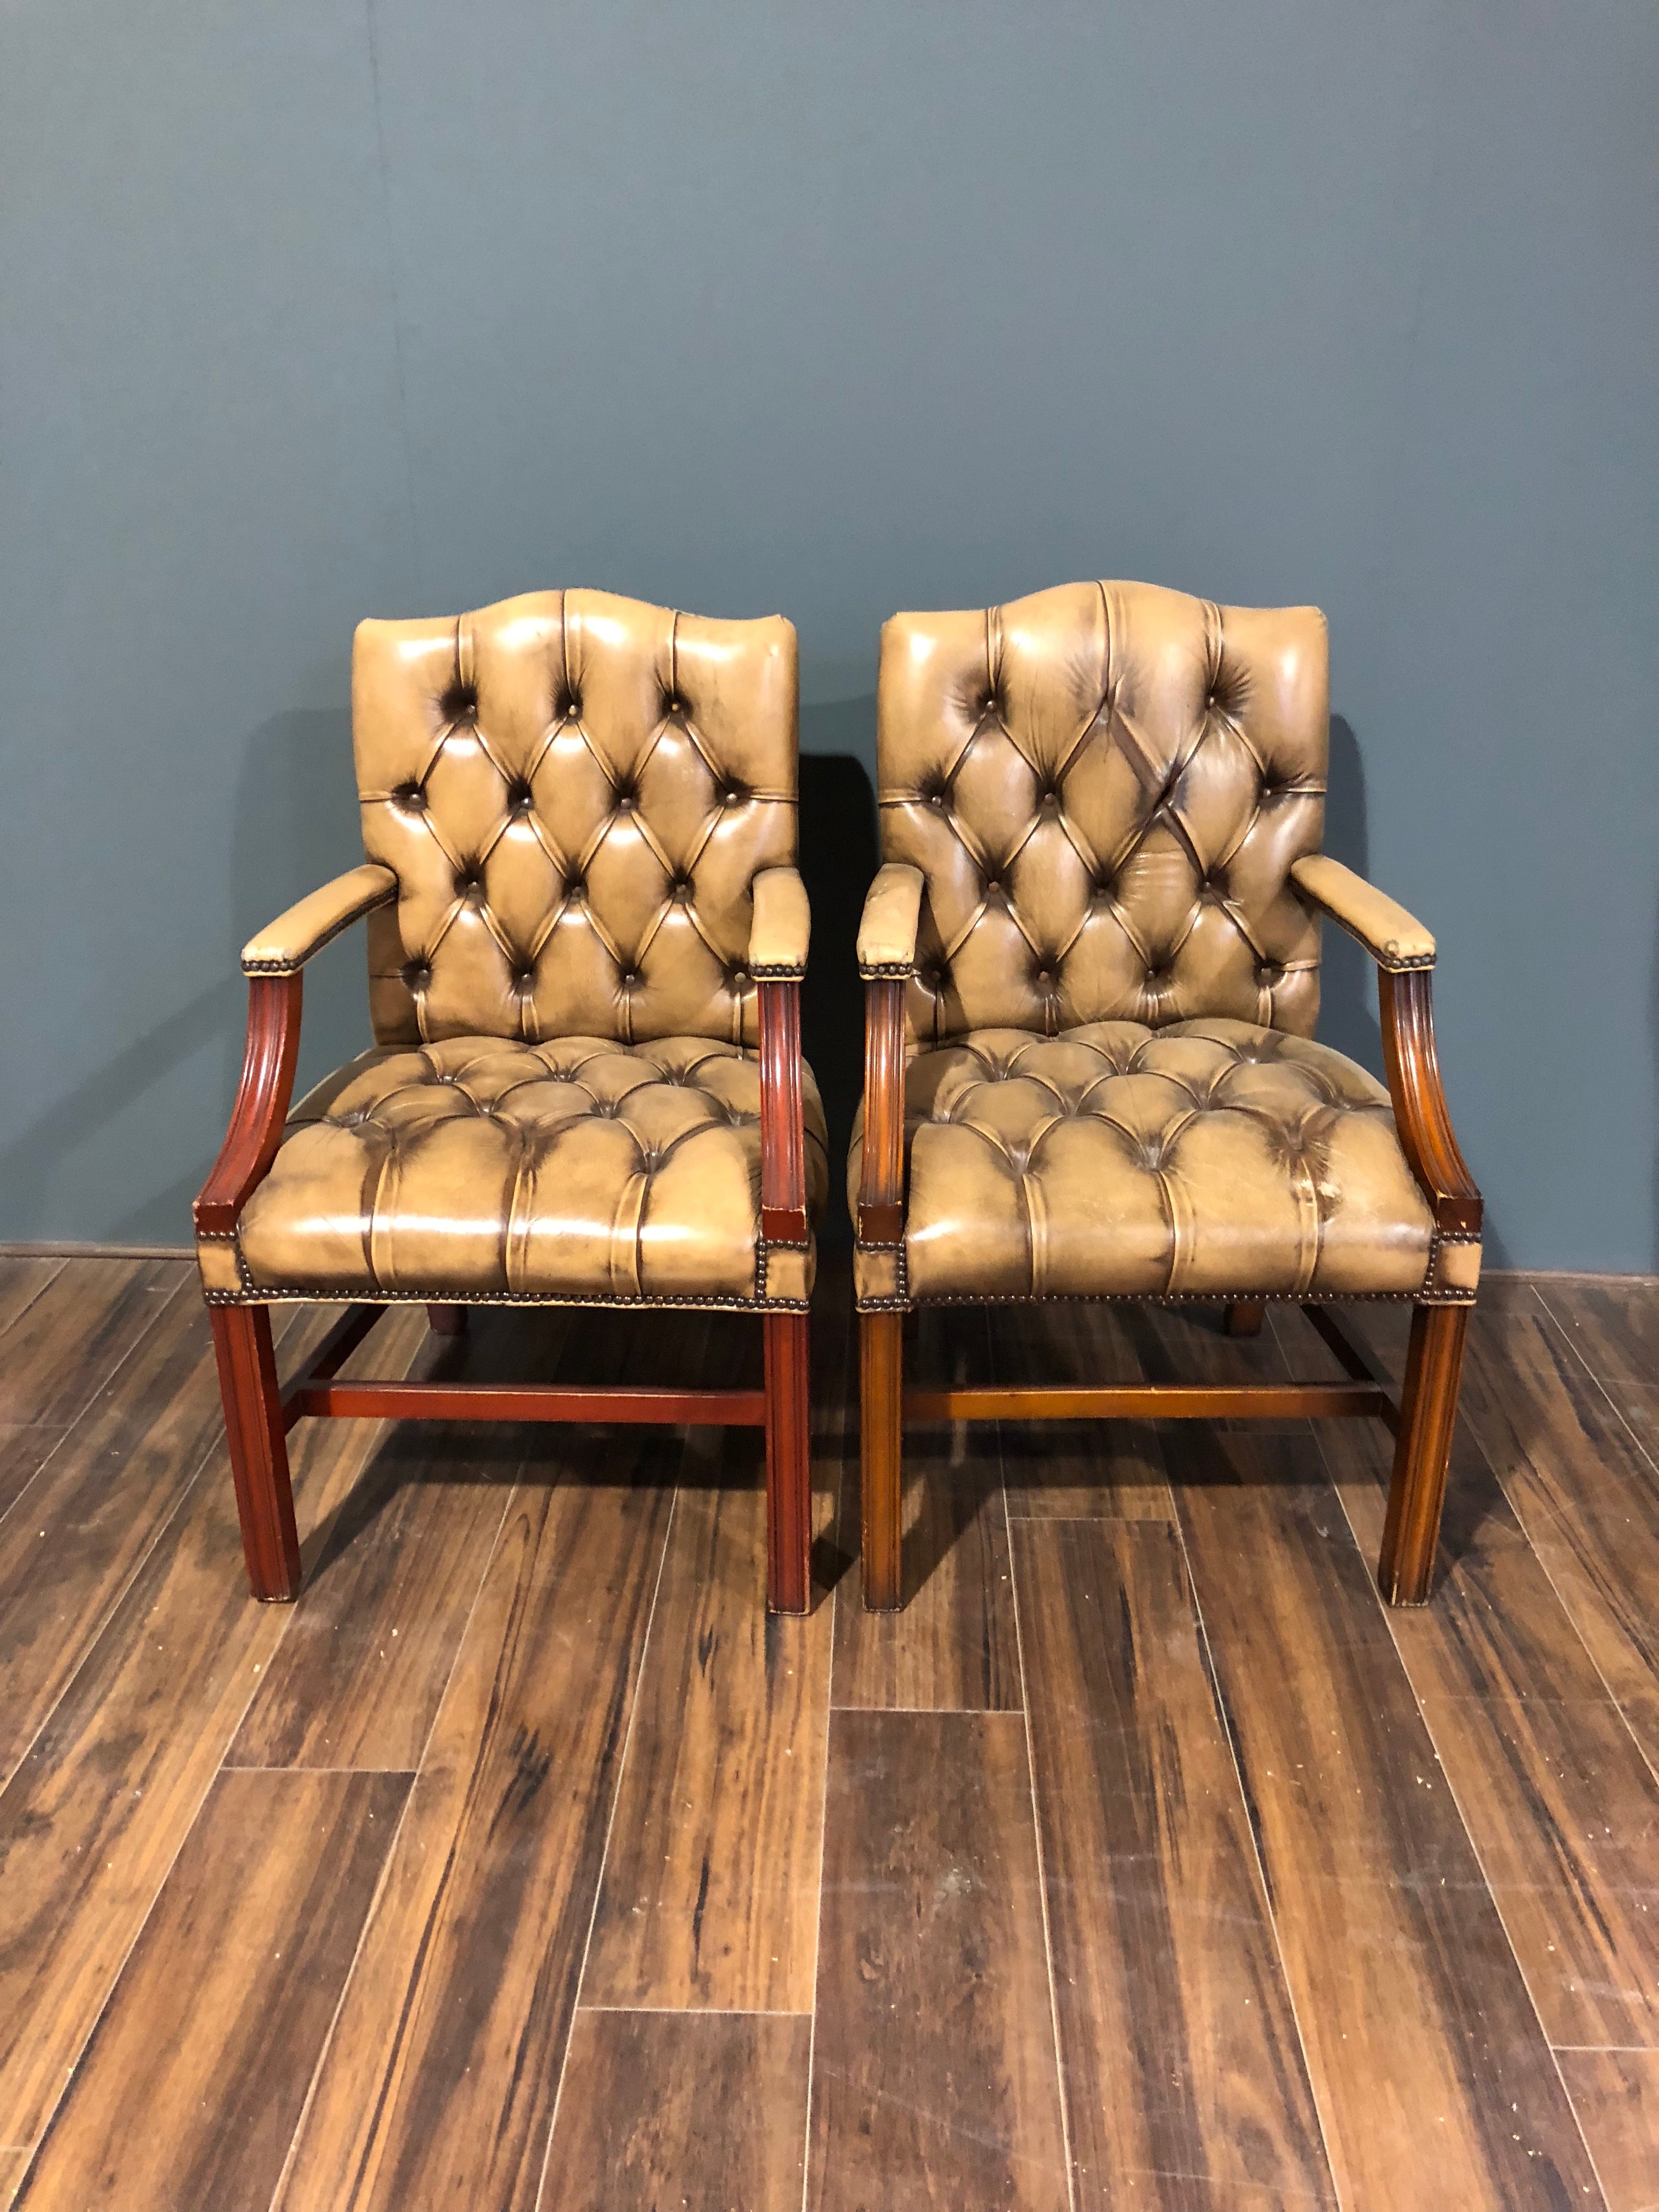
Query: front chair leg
[(447, 1321), (259, 1451), (1422, 1452), (788, 1464), (881, 1380), (1244, 1317)]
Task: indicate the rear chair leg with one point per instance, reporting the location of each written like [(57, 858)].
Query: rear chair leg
[(788, 1464), (258, 1453), (447, 1321), (881, 1380), (1244, 1317), (1422, 1452)]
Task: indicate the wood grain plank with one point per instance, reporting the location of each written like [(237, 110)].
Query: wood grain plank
[(1561, 1807), (93, 1819), (71, 1337), (1639, 1403), (1073, 1470), (953, 1645), (439, 2082), (1185, 2082), (25, 1447), (1615, 2094), (702, 2111), (193, 2084), (1433, 2079), (710, 1895), (74, 1546), (934, 2080), (23, 1276), (361, 1671), (13, 2165), (1582, 1489), (1612, 1324)]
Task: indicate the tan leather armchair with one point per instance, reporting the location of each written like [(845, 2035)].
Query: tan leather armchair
[(1091, 964), (586, 941)]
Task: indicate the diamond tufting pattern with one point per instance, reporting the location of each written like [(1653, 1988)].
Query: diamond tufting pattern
[(1203, 1157), (1105, 786), (576, 793), (482, 1167)]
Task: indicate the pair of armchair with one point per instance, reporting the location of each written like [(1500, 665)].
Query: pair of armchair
[(1091, 964)]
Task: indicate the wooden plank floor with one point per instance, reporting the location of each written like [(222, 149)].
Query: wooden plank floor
[(1145, 1859)]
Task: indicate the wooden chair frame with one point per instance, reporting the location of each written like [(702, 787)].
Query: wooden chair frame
[(258, 1414), (1422, 1420)]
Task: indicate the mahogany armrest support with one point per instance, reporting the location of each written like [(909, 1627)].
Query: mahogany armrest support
[(1404, 952), (881, 1180), (284, 947), (262, 1096), (1406, 1004), (783, 926), (1396, 940), (783, 1144), (272, 962)]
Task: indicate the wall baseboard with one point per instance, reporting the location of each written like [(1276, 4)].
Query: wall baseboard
[(52, 1250)]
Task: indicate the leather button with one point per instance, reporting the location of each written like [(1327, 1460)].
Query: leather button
[(1051, 799), (630, 979), (411, 796), (519, 798), (992, 886), (731, 795), (1044, 978), (417, 974), (526, 979), (575, 888)]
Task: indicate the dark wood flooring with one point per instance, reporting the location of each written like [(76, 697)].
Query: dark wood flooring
[(1144, 1860)]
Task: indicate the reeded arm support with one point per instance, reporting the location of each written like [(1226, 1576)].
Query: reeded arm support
[(887, 956), (272, 962)]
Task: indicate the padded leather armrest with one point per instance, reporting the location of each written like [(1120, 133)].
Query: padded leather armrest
[(1394, 938), (892, 915), (285, 947), (783, 926)]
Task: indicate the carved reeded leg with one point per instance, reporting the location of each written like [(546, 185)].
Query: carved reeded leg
[(1244, 1317), (447, 1321), (258, 1453), (788, 1464), (881, 1386), (1422, 1452)]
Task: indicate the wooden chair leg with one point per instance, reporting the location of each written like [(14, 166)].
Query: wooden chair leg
[(447, 1321), (881, 1389), (1244, 1317), (1422, 1453), (788, 1465), (259, 1452)]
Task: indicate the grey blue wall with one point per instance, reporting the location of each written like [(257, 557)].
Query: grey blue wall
[(316, 309)]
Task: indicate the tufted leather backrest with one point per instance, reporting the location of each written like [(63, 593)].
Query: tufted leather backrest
[(1105, 786), (576, 793)]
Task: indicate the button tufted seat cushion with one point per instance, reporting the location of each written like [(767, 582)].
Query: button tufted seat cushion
[(1205, 1158), (484, 1168)]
